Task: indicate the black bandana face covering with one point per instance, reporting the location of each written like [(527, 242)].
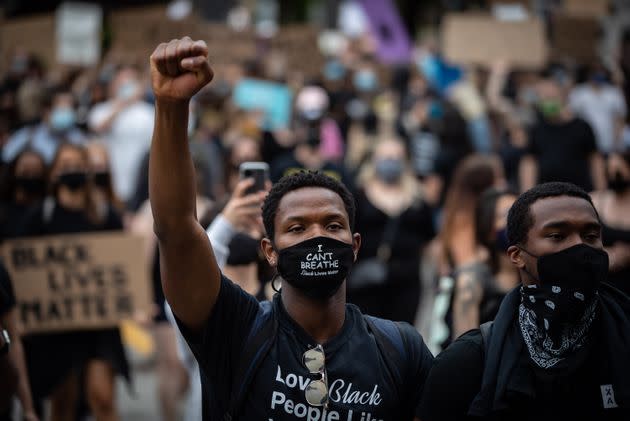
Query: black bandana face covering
[(317, 267), (556, 314)]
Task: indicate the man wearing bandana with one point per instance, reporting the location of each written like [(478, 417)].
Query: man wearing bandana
[(324, 361), (558, 348)]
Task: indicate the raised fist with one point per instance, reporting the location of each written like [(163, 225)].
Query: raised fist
[(179, 69)]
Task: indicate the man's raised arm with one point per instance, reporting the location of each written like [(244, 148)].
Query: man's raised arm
[(190, 275)]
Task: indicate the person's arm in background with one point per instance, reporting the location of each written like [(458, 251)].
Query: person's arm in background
[(101, 118), (466, 300), (16, 355), (528, 172), (190, 275), (496, 82), (240, 212), (598, 171)]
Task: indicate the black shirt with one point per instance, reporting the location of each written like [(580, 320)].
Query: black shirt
[(7, 298), (456, 375), (563, 151), (357, 373)]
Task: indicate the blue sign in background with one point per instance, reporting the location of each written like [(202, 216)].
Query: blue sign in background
[(274, 99)]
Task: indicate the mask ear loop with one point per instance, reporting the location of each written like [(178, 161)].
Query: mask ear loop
[(525, 267)]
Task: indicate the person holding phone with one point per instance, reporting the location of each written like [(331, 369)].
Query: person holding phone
[(315, 337)]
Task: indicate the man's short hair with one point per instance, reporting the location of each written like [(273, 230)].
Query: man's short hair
[(300, 180), (520, 219)]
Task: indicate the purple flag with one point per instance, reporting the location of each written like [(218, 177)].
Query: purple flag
[(394, 45)]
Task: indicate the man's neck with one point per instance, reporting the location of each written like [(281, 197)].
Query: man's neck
[(321, 320)]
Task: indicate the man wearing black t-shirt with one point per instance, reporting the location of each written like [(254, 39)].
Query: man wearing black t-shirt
[(558, 348), (561, 146), (325, 361)]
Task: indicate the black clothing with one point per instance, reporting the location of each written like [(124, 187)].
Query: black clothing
[(498, 377), (358, 378), (7, 297), (610, 236), (563, 151), (51, 357), (11, 218), (399, 297)]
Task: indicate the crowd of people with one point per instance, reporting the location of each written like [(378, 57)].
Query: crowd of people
[(427, 161)]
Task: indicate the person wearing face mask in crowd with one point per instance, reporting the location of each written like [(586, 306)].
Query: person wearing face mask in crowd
[(107, 203), (319, 145), (560, 133), (23, 185), (602, 105), (613, 205), (558, 346), (57, 126), (481, 285), (56, 361), (125, 123), (390, 204), (307, 332)]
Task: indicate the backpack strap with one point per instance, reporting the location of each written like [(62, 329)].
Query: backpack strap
[(391, 341), (257, 345), (486, 330)]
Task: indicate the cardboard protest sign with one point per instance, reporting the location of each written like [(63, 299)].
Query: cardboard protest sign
[(481, 39), (71, 282), (575, 38), (35, 34), (79, 33), (585, 8), (394, 44), (273, 99)]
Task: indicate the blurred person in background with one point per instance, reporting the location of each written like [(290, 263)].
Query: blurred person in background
[(125, 123), (107, 203), (14, 352), (23, 186), (243, 149), (390, 204), (481, 285), (312, 108), (56, 360), (601, 104), (472, 177), (561, 147), (173, 380), (456, 246), (58, 126), (613, 205)]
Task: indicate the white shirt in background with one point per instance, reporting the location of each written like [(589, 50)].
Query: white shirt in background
[(128, 141), (600, 108)]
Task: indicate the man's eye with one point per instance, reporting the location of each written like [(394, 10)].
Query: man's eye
[(296, 228), (335, 227), (555, 236), (593, 236)]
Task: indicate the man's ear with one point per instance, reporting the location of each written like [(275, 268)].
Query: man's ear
[(516, 256), (269, 251), (356, 244)]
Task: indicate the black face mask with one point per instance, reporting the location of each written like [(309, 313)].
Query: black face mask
[(73, 180), (101, 179), (618, 184), (568, 282), (34, 186), (243, 250), (317, 267)]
